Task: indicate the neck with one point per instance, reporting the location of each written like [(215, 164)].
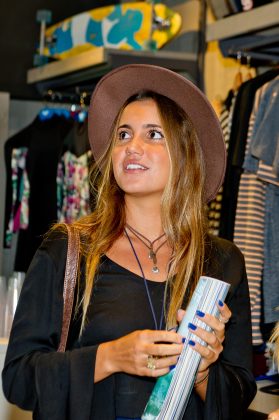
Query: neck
[(144, 217)]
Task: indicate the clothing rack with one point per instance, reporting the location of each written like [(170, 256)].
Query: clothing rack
[(77, 97), (259, 49), (253, 34)]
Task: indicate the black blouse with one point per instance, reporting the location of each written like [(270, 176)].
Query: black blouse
[(59, 386)]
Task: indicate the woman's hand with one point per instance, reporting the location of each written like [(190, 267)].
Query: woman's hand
[(143, 353), (214, 340)]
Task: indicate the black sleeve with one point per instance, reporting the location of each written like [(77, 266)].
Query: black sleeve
[(231, 385), (35, 377)]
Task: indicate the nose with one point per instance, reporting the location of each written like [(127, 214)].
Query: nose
[(135, 146)]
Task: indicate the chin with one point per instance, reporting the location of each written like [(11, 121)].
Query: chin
[(143, 193)]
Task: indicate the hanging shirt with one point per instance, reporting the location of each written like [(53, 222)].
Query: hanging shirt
[(44, 141), (19, 215)]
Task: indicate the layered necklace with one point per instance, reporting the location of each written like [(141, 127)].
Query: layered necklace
[(158, 326), (152, 254)]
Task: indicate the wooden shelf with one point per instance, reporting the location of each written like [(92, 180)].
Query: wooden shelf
[(242, 23), (66, 66), (91, 65)]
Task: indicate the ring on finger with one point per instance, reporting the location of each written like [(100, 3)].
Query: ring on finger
[(151, 362), (223, 320)]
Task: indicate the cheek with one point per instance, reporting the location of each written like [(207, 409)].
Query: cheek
[(164, 163)]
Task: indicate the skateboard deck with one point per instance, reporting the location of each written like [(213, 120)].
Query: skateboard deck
[(130, 26)]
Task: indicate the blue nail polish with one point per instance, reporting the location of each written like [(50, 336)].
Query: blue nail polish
[(192, 326), (172, 367), (191, 343), (200, 313), (183, 340), (220, 303)]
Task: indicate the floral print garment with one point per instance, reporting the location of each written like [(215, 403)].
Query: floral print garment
[(73, 187)]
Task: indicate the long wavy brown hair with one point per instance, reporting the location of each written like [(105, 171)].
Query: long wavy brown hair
[(182, 208)]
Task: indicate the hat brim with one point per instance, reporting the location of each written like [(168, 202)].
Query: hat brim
[(116, 87)]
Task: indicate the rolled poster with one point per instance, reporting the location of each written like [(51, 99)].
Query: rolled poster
[(169, 398)]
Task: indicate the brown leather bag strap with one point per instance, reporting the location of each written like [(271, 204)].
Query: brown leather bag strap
[(70, 278)]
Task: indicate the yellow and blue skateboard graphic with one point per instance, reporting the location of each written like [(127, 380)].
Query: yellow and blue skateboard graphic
[(130, 26)]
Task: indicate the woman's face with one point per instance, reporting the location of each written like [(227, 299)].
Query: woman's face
[(140, 159)]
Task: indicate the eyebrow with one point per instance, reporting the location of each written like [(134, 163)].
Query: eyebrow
[(144, 126)]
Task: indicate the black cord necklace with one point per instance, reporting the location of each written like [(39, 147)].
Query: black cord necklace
[(149, 244), (157, 327)]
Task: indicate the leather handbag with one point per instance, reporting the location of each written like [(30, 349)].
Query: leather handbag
[(70, 278)]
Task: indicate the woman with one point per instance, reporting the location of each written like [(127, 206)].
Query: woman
[(161, 154)]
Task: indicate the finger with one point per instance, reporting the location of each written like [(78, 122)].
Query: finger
[(166, 362), (157, 366), (214, 323), (163, 336), (225, 313), (208, 355), (160, 350), (209, 337)]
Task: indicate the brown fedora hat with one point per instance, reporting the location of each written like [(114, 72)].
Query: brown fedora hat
[(117, 86)]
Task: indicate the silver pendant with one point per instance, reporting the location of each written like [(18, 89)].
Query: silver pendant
[(155, 269)]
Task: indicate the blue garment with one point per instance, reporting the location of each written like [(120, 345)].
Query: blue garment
[(264, 146), (265, 138), (271, 255)]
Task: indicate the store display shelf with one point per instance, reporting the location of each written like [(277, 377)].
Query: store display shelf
[(263, 17), (91, 65)]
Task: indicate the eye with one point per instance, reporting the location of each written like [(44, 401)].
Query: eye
[(123, 135), (155, 135)]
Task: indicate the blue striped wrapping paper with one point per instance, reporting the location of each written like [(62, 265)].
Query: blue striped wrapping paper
[(171, 392)]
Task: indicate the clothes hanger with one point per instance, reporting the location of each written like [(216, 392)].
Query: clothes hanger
[(48, 112), (238, 78), (80, 112), (249, 74)]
